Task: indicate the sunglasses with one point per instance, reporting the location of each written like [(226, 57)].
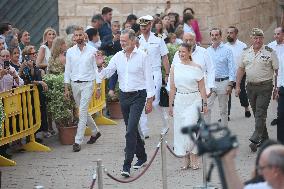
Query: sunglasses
[(33, 53)]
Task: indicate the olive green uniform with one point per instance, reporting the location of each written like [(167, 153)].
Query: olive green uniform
[(259, 68)]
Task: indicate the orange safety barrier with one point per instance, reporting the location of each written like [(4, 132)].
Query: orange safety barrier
[(22, 119)]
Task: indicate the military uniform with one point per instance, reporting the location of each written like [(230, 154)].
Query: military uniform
[(155, 47), (259, 68)]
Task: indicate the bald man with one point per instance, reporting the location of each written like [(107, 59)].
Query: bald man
[(271, 166)]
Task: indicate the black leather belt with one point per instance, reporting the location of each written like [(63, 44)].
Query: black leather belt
[(221, 79), (80, 81), (132, 92)]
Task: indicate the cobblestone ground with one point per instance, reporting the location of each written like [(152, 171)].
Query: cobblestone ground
[(63, 169)]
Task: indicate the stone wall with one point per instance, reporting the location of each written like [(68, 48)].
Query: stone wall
[(245, 14)]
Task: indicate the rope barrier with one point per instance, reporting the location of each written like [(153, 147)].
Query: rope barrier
[(94, 180), (187, 154), (138, 176)]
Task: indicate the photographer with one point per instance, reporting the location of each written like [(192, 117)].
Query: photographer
[(271, 166), (8, 76), (33, 75)]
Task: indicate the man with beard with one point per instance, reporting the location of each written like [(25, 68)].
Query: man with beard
[(136, 85), (157, 51), (223, 61), (278, 46), (199, 56), (237, 48), (259, 62), (80, 71)]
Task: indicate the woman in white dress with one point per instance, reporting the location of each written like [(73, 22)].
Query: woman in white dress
[(187, 93)]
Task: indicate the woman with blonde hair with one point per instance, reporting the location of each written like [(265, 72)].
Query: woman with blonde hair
[(56, 65), (44, 50), (57, 60)]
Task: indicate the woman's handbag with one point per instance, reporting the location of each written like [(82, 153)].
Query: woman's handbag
[(164, 97)]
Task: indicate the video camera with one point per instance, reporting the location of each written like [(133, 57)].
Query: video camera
[(214, 139)]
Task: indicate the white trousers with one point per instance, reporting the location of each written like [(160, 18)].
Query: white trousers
[(221, 92), (82, 93), (157, 75)]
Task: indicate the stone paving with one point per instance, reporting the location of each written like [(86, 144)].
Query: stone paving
[(63, 169)]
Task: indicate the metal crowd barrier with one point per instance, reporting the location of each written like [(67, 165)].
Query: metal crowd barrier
[(22, 119)]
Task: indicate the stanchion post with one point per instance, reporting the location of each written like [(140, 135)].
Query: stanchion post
[(164, 162), (204, 166), (100, 174)]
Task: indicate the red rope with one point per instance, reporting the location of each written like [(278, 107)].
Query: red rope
[(138, 176)]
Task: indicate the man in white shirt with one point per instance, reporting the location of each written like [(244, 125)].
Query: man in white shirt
[(279, 94), (136, 85), (237, 48), (80, 72), (271, 166), (156, 50), (199, 56), (278, 46)]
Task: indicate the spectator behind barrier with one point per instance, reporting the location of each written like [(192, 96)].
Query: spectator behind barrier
[(44, 50), (33, 75)]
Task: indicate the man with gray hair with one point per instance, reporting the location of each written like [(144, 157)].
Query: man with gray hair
[(136, 86), (271, 166)]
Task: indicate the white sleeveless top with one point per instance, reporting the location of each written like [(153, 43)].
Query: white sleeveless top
[(47, 54)]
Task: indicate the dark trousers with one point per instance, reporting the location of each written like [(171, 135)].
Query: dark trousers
[(243, 96), (112, 81), (280, 116), (259, 96), (132, 105)]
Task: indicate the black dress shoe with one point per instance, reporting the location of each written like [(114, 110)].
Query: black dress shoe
[(247, 114), (253, 147), (93, 139), (76, 147), (229, 119), (274, 122)]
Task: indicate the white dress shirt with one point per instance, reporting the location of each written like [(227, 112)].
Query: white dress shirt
[(237, 49), (96, 45), (279, 49), (134, 73), (280, 77), (80, 65), (201, 57), (155, 48), (187, 29)]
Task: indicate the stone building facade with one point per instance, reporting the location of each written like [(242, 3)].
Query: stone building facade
[(245, 14)]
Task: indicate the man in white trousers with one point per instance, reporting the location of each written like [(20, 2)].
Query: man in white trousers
[(80, 72), (156, 49)]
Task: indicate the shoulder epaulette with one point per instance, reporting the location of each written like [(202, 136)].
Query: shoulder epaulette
[(268, 49), (158, 35)]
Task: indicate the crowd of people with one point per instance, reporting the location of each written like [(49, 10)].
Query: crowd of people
[(195, 78)]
